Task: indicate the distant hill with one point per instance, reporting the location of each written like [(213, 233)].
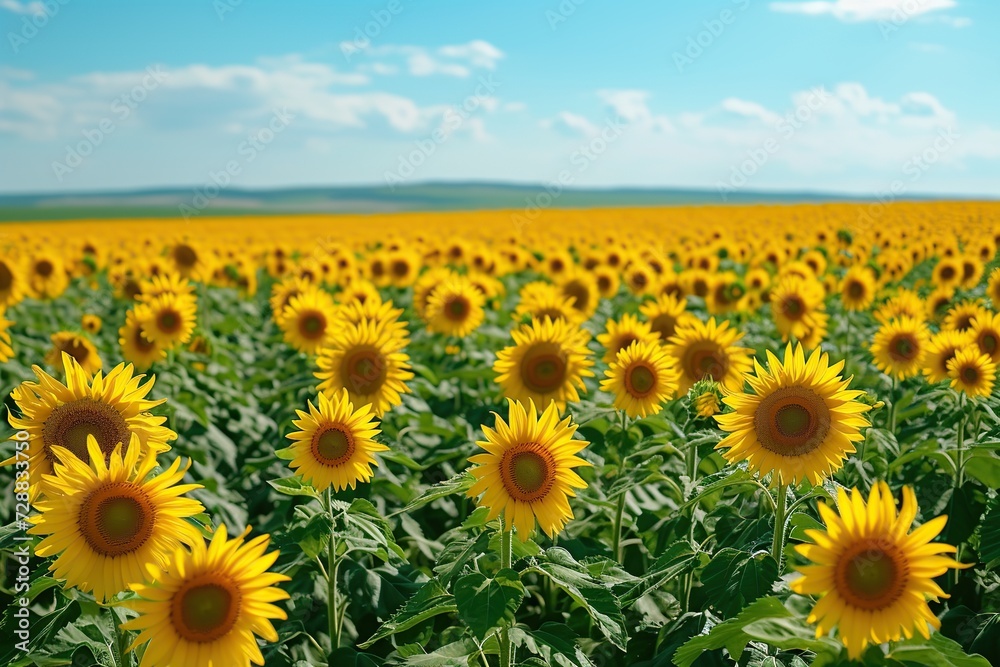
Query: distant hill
[(170, 203)]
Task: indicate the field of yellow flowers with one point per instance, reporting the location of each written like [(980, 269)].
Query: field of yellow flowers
[(689, 436)]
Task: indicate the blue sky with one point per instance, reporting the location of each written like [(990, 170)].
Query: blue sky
[(861, 96)]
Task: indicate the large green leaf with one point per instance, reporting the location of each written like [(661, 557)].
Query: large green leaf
[(484, 603), (555, 643), (733, 579), (430, 601), (597, 599), (730, 634), (939, 651)]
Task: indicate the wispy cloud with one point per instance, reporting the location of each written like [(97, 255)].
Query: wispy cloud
[(458, 60), (863, 10), (35, 7)]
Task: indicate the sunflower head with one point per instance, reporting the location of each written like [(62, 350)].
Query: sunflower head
[(941, 350), (526, 473), (972, 372), (799, 421), (621, 333), (107, 522), (986, 333), (707, 350), (455, 307), (900, 347), (641, 379), (872, 575), (547, 362), (210, 602), (77, 346), (334, 443)]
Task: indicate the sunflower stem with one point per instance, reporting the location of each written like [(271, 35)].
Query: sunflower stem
[(960, 453), (892, 405), (778, 545), (121, 656), (616, 535), (506, 559), (332, 570)]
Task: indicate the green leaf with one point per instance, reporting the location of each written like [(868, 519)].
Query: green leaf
[(555, 643), (790, 633), (735, 578), (456, 654), (676, 560), (730, 634), (293, 486), (430, 601), (939, 651), (484, 604), (600, 603), (370, 528), (989, 537), (460, 483)]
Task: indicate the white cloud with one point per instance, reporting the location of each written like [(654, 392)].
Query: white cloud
[(631, 106), (320, 97), (35, 7), (515, 106), (571, 123), (864, 10), (458, 60), (749, 109)]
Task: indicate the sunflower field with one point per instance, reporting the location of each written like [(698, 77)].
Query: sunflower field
[(691, 436)]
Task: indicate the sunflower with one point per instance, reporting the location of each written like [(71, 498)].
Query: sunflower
[(707, 398), (986, 333), (703, 350), (358, 290), (375, 309), (47, 277), (207, 604), (455, 308), (972, 270), (873, 577), (642, 378), (757, 279), (947, 273), (794, 300), (799, 423), (900, 346), (993, 288), (282, 293), (165, 283), (938, 302), (814, 335), (91, 323), (189, 260), (639, 277), (136, 346), (6, 351), (76, 346), (972, 372), (110, 407), (857, 289), (581, 288), (106, 523), (307, 320), (527, 471), (168, 319), (622, 333), (426, 284), (334, 443), (607, 280), (367, 359), (13, 285), (904, 303), (664, 314), (941, 350), (541, 300), (960, 317), (726, 293), (547, 362)]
